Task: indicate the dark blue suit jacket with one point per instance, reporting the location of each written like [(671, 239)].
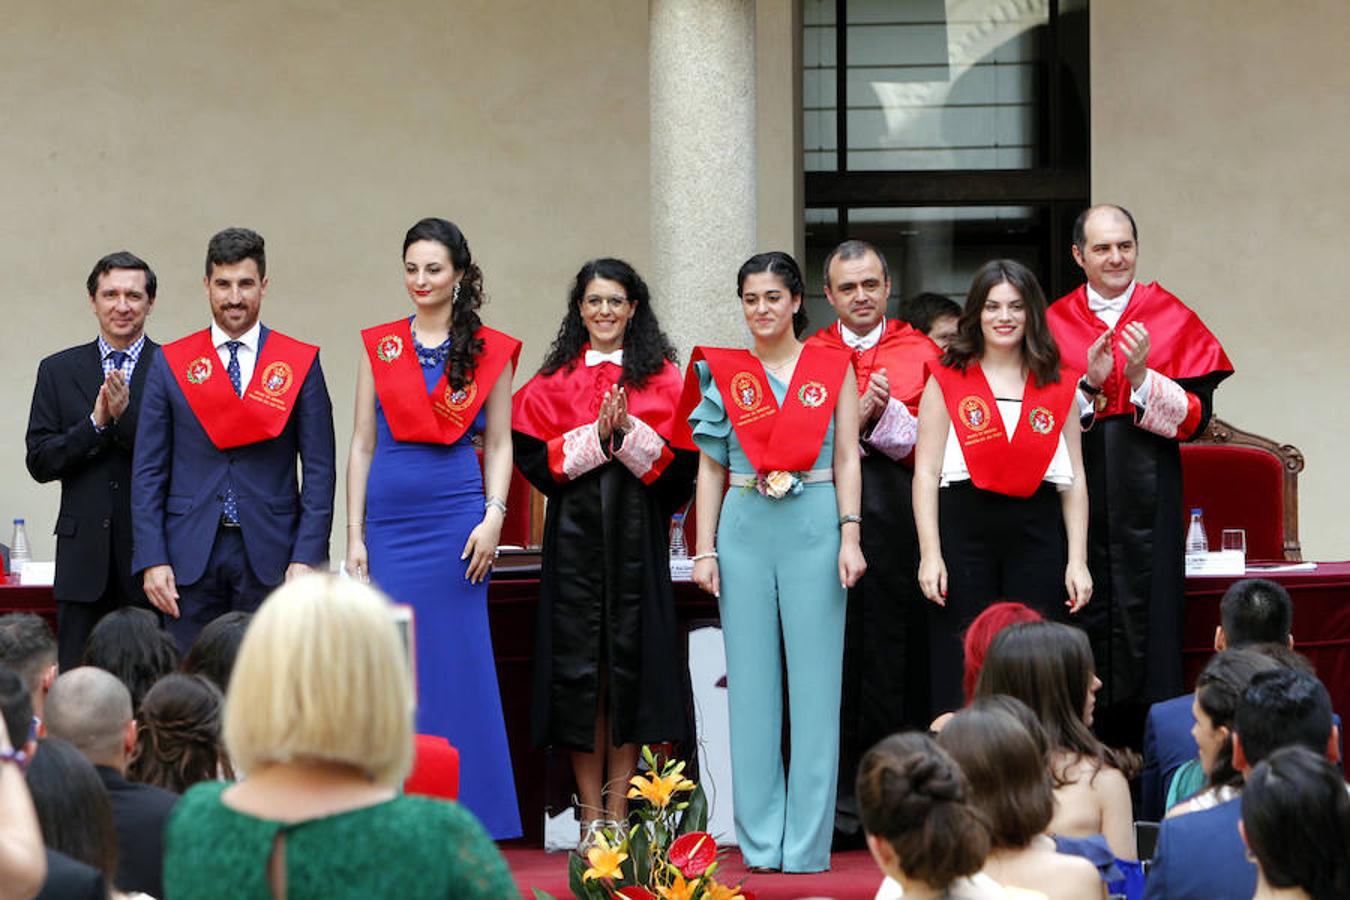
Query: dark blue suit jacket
[(179, 479), (1201, 855), (1167, 744)]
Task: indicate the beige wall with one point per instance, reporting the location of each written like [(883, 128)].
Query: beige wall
[(329, 127), (1222, 125)]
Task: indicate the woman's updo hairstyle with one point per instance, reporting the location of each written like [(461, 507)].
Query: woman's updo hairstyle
[(776, 262), (464, 321), (914, 795)]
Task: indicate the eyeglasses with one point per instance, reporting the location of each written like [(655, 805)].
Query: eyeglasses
[(595, 302)]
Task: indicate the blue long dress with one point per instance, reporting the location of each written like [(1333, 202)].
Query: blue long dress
[(422, 500)]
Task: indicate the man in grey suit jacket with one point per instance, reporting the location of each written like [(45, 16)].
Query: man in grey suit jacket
[(81, 431)]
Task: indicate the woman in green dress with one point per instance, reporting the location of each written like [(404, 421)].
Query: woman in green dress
[(319, 716)]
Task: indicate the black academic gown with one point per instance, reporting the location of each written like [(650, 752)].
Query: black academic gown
[(606, 607)]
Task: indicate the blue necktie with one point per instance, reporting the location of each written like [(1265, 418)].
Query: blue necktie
[(232, 369), (229, 509), (119, 359)]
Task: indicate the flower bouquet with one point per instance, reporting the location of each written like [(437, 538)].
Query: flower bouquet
[(777, 484), (666, 855)]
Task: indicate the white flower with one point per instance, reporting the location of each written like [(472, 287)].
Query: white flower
[(778, 484)]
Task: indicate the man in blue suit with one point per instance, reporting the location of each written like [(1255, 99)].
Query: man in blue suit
[(1253, 611), (1200, 854), (219, 517)]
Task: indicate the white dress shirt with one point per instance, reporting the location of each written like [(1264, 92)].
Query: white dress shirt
[(247, 353), (861, 341)]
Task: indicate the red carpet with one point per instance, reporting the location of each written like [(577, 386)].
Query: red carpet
[(853, 876)]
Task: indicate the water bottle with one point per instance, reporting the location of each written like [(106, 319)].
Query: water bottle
[(18, 548), (1196, 542), (678, 548)]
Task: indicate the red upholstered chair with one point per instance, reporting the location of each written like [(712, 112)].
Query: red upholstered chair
[(435, 771), (1244, 480)]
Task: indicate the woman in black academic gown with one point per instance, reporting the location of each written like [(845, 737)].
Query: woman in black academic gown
[(593, 432)]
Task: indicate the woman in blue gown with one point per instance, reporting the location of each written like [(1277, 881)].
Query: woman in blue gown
[(420, 523)]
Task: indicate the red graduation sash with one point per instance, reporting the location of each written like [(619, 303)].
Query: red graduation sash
[(773, 438), (1017, 467), (263, 411), (903, 351), (443, 415), (1180, 346)]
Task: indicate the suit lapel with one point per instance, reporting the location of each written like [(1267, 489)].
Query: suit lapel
[(148, 353), (89, 371)]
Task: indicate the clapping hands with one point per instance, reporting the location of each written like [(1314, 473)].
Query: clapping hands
[(613, 414)]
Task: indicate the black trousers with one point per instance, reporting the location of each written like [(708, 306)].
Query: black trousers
[(75, 621), (996, 548)]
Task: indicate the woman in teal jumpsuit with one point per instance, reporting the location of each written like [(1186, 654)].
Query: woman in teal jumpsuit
[(780, 567)]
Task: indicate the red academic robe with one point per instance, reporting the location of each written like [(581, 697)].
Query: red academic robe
[(1133, 468)]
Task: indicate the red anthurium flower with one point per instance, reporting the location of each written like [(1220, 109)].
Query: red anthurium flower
[(633, 892), (692, 853)]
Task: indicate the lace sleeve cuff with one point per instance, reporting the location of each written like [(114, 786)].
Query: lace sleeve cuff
[(643, 451), (1171, 411), (895, 432), (576, 452)]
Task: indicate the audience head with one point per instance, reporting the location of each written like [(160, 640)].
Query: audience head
[(915, 808), (129, 643), (1296, 822), (1217, 690), (178, 735), (936, 315), (983, 630), (16, 708), (1254, 611), (28, 646), (72, 806), (213, 653), (91, 709), (322, 677), (1281, 708), (1006, 768), (786, 279)]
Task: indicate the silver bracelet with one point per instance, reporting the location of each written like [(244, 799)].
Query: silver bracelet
[(709, 555), (494, 500), (845, 520)]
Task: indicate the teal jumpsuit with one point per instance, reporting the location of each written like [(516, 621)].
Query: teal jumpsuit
[(779, 569)]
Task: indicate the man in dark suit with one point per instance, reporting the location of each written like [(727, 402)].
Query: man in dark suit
[(91, 709), (1253, 611), (81, 430), (219, 516), (1200, 854)]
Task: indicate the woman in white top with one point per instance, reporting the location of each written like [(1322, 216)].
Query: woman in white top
[(1000, 501)]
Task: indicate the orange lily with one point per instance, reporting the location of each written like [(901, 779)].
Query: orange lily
[(715, 891), (604, 859), (678, 889), (657, 790)]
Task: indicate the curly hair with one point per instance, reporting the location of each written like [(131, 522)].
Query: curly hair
[(464, 322), (178, 735), (1039, 350), (645, 346)]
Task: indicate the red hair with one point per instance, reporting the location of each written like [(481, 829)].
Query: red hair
[(981, 633)]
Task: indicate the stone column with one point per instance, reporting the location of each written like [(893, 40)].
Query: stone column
[(702, 59)]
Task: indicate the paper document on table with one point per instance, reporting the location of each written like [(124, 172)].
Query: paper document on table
[(1283, 567)]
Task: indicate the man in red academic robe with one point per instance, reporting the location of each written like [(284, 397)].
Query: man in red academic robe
[(885, 687), (1151, 368)]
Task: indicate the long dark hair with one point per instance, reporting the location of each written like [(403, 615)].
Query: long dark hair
[(464, 321), (1296, 815), (213, 653), (1218, 690), (72, 806), (1048, 666), (178, 739), (776, 262), (645, 346), (129, 643), (1039, 349)]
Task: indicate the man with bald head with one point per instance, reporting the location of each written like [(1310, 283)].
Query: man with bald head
[(1151, 367), (91, 709)]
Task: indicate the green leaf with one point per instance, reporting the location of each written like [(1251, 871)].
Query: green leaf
[(542, 895), (695, 817), (639, 852)]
